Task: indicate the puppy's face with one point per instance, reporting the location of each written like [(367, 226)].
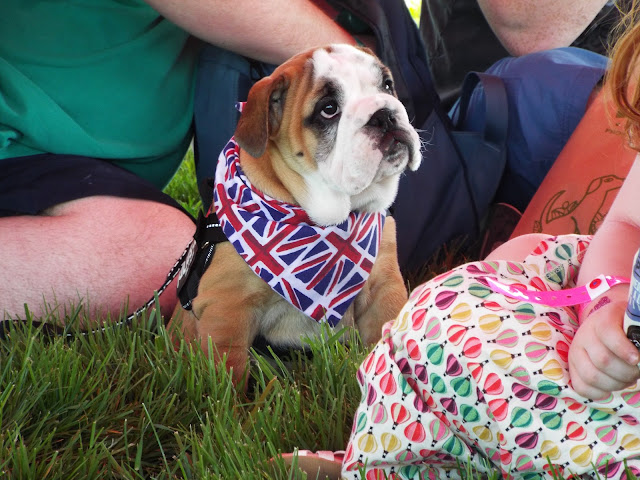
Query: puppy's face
[(332, 126)]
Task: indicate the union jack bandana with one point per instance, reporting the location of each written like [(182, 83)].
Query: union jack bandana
[(319, 270)]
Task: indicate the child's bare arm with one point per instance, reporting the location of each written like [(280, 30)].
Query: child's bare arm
[(601, 359)]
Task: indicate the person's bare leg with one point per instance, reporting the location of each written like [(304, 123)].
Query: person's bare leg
[(105, 251), (517, 248)]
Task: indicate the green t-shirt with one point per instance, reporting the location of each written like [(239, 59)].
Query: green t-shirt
[(109, 79)]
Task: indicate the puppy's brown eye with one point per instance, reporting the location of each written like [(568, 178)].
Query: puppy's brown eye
[(330, 109), (388, 85)]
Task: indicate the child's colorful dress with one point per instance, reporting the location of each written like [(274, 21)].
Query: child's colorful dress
[(467, 375)]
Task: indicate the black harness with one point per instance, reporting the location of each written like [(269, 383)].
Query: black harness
[(198, 257)]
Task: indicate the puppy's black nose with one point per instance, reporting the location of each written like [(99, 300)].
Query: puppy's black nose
[(383, 119)]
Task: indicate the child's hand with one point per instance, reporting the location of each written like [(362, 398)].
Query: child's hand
[(601, 357)]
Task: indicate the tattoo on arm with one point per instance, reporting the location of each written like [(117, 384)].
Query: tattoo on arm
[(583, 215)]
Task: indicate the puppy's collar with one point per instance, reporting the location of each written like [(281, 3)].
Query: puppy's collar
[(319, 270)]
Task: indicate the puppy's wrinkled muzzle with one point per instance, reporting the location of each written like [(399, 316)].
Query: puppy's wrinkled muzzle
[(396, 140)]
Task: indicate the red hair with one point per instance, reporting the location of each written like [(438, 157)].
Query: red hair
[(623, 85)]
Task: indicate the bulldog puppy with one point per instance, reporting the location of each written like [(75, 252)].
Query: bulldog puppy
[(301, 196)]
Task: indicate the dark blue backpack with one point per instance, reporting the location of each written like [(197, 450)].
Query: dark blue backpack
[(450, 193)]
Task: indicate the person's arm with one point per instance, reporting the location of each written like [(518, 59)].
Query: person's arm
[(597, 159), (525, 26), (601, 358), (270, 31), (613, 246)]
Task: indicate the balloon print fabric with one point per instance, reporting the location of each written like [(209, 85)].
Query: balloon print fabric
[(465, 375)]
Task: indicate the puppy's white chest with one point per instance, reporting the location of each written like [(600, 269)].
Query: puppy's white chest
[(284, 325)]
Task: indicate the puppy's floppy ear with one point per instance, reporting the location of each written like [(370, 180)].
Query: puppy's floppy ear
[(262, 114), (368, 50)]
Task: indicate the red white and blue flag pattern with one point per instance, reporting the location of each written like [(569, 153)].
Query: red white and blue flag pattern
[(319, 270)]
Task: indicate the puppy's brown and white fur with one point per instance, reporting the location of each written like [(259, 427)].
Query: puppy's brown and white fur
[(326, 132)]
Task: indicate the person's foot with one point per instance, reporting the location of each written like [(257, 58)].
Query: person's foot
[(320, 465)]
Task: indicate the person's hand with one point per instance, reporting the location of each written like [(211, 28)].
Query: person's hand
[(601, 357)]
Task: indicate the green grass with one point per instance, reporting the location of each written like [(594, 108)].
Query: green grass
[(414, 9), (183, 186), (127, 403)]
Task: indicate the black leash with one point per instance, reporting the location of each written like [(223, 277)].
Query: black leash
[(189, 268)]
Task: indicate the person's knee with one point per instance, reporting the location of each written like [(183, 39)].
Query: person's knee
[(104, 250), (138, 240), (115, 219), (517, 248)]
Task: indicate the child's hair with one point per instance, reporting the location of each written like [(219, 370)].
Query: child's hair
[(623, 77)]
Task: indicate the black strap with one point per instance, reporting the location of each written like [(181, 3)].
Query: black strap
[(496, 106), (200, 252)]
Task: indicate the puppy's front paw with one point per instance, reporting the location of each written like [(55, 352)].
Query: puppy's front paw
[(386, 292)]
